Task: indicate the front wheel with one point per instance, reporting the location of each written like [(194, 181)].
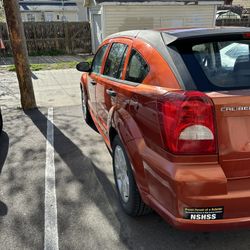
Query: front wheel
[(129, 196), (86, 114)]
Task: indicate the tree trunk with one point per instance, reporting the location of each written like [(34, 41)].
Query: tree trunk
[(228, 2), (20, 53)]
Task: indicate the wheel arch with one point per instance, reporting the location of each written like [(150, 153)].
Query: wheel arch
[(123, 125)]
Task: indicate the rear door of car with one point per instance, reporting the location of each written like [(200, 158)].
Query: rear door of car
[(110, 80)]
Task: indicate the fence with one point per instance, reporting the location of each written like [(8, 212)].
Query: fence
[(65, 37), (234, 22)]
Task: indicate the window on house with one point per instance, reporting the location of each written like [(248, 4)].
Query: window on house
[(49, 17), (137, 69), (115, 61), (31, 17), (58, 17)]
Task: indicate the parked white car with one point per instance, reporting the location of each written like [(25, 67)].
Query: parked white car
[(226, 14), (231, 52)]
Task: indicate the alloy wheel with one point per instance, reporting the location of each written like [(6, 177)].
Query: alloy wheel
[(121, 173)]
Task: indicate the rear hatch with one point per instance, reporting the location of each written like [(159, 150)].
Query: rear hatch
[(232, 111), (220, 68)]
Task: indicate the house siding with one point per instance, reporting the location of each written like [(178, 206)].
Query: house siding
[(120, 17)]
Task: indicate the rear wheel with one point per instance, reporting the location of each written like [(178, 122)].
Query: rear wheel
[(127, 190)]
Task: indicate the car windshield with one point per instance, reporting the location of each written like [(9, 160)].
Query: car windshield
[(218, 65)]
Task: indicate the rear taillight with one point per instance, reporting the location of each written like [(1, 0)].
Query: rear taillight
[(246, 35), (188, 123)]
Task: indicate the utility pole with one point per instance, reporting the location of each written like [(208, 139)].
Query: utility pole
[(20, 53)]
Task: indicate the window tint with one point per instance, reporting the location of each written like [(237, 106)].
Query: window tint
[(97, 63), (218, 65), (115, 61), (137, 68)]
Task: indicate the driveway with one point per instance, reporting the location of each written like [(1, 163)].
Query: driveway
[(79, 196)]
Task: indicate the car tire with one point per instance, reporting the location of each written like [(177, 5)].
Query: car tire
[(85, 110), (129, 196)]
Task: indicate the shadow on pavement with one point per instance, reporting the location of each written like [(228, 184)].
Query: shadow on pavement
[(4, 148), (3, 209), (149, 232), (80, 166), (34, 76)]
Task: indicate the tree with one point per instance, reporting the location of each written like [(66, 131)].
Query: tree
[(20, 53)]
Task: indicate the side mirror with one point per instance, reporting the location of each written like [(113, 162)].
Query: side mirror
[(83, 67)]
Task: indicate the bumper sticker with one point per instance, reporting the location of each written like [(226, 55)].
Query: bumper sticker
[(204, 213)]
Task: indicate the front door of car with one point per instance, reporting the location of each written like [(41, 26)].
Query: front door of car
[(109, 81), (93, 77)]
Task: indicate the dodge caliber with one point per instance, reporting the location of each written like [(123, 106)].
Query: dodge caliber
[(173, 107)]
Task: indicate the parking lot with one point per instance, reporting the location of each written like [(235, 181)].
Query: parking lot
[(84, 207)]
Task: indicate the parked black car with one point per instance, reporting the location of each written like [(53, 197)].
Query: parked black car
[(1, 122)]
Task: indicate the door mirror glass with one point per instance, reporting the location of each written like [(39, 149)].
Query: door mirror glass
[(83, 67)]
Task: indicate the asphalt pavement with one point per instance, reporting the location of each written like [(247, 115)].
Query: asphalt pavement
[(88, 213)]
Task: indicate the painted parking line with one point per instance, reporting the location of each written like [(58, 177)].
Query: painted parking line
[(50, 218)]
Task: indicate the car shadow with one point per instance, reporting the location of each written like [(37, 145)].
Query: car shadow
[(4, 148), (94, 182), (78, 163)]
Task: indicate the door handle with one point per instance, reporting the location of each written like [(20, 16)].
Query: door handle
[(111, 92), (93, 82)]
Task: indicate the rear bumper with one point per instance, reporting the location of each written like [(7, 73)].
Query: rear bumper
[(202, 225), (176, 187)]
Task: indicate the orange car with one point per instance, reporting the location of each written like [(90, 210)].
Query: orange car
[(173, 107)]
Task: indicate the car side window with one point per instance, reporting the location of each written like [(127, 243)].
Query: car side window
[(97, 62), (115, 62), (137, 69)]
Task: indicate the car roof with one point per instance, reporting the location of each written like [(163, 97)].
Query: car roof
[(167, 36), (159, 39), (202, 32)]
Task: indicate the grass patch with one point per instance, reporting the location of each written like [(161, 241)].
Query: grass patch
[(50, 66), (37, 67)]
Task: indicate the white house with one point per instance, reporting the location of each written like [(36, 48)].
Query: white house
[(111, 16), (52, 10)]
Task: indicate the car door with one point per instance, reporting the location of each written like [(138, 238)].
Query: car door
[(108, 83), (94, 76)]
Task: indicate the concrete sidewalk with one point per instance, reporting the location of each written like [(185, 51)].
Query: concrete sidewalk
[(52, 88)]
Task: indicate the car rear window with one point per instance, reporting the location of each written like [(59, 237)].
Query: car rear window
[(218, 65)]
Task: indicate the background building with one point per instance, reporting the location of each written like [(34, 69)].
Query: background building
[(109, 16), (52, 10)]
